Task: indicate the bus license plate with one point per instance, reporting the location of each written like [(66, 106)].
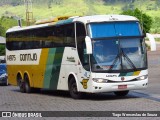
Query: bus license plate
[(122, 86)]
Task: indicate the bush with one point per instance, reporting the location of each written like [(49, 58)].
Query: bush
[(2, 30), (2, 50)]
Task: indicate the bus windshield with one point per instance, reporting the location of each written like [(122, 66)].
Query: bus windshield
[(117, 48)]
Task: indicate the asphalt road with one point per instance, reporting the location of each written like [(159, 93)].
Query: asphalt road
[(11, 99)]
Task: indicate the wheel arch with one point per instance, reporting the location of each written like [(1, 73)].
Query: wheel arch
[(71, 75), (29, 78)]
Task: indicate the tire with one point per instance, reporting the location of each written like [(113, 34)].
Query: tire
[(73, 89), (6, 84), (26, 84), (20, 83), (121, 93), (21, 86)]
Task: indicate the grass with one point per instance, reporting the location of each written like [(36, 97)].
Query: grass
[(74, 7)]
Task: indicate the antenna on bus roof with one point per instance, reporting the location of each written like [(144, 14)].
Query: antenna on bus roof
[(29, 13), (19, 20)]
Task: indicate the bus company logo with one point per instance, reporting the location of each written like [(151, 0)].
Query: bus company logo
[(28, 57), (122, 78), (111, 75), (71, 59)]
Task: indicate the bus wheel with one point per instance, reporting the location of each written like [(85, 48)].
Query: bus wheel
[(20, 84), (26, 84), (121, 93), (73, 89)]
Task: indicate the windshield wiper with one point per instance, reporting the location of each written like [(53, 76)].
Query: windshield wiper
[(119, 56), (114, 62), (129, 61)]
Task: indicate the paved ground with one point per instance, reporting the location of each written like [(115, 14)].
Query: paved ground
[(143, 100)]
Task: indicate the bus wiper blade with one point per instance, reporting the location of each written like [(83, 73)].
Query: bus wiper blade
[(114, 62), (125, 56)]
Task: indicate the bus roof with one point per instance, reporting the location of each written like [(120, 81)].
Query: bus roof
[(84, 19), (105, 18)]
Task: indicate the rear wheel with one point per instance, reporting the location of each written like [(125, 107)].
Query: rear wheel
[(26, 84), (73, 89), (121, 93)]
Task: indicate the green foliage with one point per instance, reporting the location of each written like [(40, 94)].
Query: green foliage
[(145, 20), (6, 23), (2, 50), (50, 8), (2, 31), (156, 25), (158, 2)]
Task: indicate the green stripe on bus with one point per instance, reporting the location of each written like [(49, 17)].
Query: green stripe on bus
[(47, 77), (56, 68), (122, 74), (64, 21), (136, 73)]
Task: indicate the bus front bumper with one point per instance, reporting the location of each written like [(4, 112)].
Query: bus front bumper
[(123, 86)]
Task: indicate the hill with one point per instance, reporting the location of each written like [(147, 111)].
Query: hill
[(50, 8)]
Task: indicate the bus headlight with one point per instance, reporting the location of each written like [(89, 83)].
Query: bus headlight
[(142, 77), (100, 80)]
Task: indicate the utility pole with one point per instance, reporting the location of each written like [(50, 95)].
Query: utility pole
[(29, 13)]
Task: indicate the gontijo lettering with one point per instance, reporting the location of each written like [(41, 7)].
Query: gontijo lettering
[(28, 57)]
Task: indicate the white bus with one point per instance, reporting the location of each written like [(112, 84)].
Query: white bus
[(90, 54)]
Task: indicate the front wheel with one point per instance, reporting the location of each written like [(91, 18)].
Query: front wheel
[(121, 93), (73, 89)]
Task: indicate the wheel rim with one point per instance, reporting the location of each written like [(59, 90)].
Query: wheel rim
[(74, 89)]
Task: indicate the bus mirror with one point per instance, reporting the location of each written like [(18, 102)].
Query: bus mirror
[(152, 42), (88, 45)]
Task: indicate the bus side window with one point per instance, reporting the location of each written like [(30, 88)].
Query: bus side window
[(69, 34), (81, 34)]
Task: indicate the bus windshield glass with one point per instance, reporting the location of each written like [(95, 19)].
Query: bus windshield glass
[(117, 47)]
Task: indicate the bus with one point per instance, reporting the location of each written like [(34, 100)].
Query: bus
[(88, 54)]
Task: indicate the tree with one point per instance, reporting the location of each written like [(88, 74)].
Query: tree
[(2, 30), (2, 50), (158, 2), (145, 20)]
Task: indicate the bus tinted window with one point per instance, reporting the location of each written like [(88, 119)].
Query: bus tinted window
[(48, 37), (81, 34)]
